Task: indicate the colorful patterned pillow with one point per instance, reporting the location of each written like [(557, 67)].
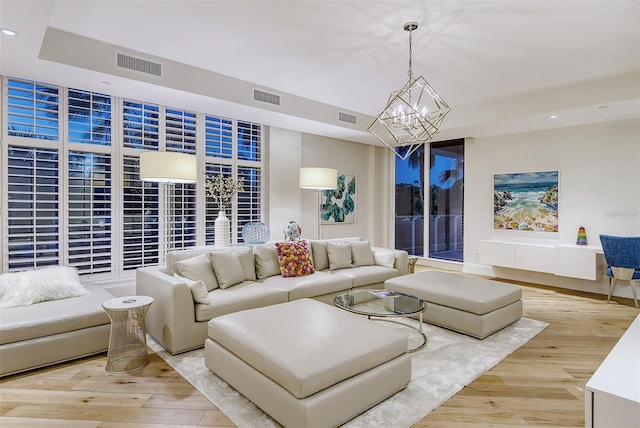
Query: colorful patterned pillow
[(294, 259)]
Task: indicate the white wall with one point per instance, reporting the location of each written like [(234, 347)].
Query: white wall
[(291, 150), (284, 194), (599, 188)]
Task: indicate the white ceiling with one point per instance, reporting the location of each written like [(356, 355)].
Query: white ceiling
[(503, 66)]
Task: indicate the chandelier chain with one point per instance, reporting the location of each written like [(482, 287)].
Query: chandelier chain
[(410, 55)]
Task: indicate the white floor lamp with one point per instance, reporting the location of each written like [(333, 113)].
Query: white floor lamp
[(168, 168), (318, 179)]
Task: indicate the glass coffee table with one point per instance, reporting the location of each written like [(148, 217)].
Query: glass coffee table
[(383, 304)]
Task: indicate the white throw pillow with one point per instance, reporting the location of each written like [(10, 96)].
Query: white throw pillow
[(227, 267), (198, 267), (266, 258), (198, 289), (339, 255), (361, 254), (319, 254), (245, 255), (34, 286), (385, 258)]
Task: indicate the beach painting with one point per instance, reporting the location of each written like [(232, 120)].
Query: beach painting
[(526, 201)]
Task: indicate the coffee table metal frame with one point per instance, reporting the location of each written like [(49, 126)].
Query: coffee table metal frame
[(379, 305)]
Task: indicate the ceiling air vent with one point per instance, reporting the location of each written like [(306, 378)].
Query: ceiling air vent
[(346, 117), (266, 97), (138, 64)]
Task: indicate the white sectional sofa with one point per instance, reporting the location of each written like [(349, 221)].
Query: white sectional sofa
[(197, 285), (53, 331)]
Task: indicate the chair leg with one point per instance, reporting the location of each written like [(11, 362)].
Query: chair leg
[(634, 284), (612, 284)]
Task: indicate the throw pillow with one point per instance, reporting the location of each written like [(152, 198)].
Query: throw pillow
[(245, 254), (227, 267), (266, 257), (34, 286), (198, 267), (198, 289), (385, 258), (294, 259), (320, 258), (361, 253), (339, 255)]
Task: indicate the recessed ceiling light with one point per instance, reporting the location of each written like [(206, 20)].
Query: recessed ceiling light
[(553, 116), (9, 32)]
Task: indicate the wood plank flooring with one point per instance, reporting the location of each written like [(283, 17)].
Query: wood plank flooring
[(539, 385)]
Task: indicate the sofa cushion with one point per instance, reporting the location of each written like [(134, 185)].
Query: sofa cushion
[(316, 284), (177, 255), (226, 265), (54, 317), (266, 261), (198, 289), (245, 256), (319, 254), (339, 255), (361, 254), (198, 268), (367, 275), (39, 285), (294, 259), (246, 295), (385, 258)]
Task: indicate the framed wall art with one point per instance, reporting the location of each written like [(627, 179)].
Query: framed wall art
[(526, 201), (339, 205)]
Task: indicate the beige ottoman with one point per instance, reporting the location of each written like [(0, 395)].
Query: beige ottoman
[(474, 306), (308, 364)]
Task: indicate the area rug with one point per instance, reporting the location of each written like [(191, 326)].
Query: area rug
[(441, 369)]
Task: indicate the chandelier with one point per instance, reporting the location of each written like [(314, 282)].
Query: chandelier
[(412, 115)]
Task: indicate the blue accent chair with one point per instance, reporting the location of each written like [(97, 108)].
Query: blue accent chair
[(623, 261)]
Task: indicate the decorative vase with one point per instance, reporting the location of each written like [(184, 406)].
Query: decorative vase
[(222, 230)]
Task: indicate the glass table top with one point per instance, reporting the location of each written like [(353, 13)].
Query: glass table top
[(380, 303)]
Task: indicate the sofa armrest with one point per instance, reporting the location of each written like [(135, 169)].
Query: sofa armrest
[(172, 313), (402, 259)]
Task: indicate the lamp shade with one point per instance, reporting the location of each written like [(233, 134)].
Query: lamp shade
[(168, 167), (318, 178)]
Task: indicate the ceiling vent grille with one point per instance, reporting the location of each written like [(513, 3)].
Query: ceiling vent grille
[(266, 97), (138, 64), (346, 117)]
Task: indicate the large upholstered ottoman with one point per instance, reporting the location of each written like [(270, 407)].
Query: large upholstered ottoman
[(308, 364), (474, 306)]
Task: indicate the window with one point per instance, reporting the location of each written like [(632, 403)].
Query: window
[(141, 125), (32, 209), (89, 216), (446, 177), (211, 210), (409, 222), (74, 197), (443, 202), (89, 117), (32, 109), (218, 137), (141, 212), (180, 131), (249, 206)]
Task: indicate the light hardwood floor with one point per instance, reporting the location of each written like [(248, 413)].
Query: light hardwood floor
[(541, 384)]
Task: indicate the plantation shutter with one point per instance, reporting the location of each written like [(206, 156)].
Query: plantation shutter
[(32, 216)]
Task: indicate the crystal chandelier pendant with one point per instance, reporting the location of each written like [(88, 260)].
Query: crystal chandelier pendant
[(412, 114)]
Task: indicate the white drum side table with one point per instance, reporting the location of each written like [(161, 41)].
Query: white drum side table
[(128, 339)]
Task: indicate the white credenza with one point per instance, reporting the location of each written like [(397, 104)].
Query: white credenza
[(612, 395), (570, 260)]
